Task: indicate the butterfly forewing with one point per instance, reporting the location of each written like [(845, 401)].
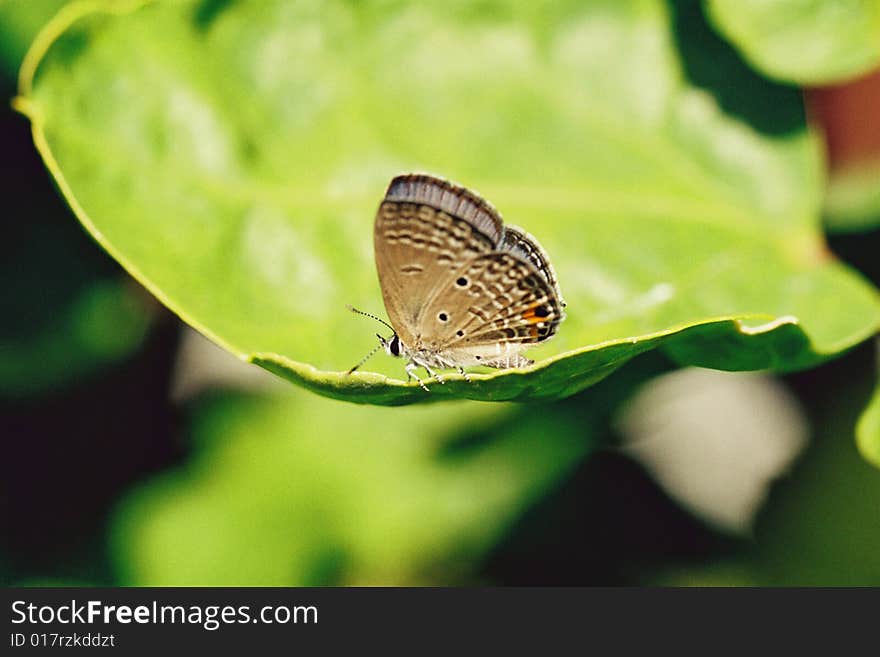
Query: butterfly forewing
[(449, 198), (425, 228)]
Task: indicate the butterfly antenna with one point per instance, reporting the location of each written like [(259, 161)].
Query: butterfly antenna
[(366, 358), (378, 319), (381, 340)]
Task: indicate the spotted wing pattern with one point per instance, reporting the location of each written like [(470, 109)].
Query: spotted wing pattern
[(524, 246), (456, 282), (496, 305), (425, 228)]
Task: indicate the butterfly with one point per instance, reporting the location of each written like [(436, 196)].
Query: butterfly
[(461, 288)]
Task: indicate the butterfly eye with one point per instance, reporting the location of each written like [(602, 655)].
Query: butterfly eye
[(394, 346)]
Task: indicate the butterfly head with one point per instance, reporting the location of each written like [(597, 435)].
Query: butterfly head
[(392, 346)]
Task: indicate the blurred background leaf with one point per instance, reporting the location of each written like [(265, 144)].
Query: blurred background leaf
[(852, 201), (70, 312), (171, 461), (809, 42), (84, 360), (289, 491), (820, 525), (231, 157), (868, 430)]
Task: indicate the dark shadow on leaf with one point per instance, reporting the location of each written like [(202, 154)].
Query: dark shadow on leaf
[(208, 11), (713, 64), (72, 44)]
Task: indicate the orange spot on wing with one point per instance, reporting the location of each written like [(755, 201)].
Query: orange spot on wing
[(530, 316)]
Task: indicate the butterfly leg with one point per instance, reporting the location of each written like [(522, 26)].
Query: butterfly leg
[(434, 374), (464, 374), (411, 374)]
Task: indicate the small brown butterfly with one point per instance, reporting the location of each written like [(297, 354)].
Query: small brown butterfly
[(461, 289)]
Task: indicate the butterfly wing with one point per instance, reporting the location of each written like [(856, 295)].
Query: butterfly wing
[(494, 306), (524, 246), (425, 228)]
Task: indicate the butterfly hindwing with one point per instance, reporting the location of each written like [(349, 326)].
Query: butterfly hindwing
[(526, 247), (496, 304)]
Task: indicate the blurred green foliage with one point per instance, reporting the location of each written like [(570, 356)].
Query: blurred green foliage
[(68, 313), (288, 490), (230, 155), (103, 323), (810, 42), (853, 201), (868, 430), (815, 43), (231, 158), (820, 526)]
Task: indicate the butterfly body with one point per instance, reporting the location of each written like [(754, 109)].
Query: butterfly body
[(461, 289)]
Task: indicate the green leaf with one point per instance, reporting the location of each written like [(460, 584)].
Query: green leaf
[(20, 20), (828, 505), (809, 42), (231, 156), (868, 430), (292, 490)]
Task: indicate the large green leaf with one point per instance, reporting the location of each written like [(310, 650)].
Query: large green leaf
[(804, 41), (292, 491), (231, 157)]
